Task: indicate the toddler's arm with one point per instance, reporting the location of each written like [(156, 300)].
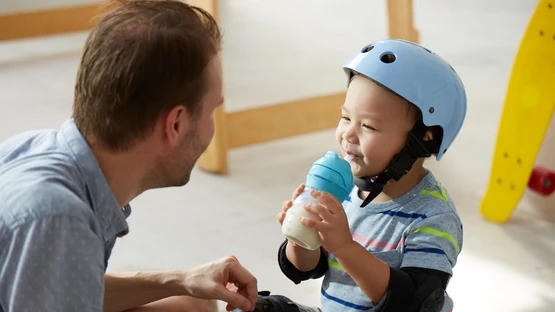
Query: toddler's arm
[(431, 250), (303, 259), (300, 264)]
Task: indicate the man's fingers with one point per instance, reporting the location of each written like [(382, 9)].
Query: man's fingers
[(249, 290), (231, 287), (230, 307), (246, 282), (230, 259), (234, 299)]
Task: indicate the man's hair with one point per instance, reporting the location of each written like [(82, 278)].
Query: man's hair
[(141, 59)]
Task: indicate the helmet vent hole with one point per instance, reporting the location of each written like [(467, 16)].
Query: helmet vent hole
[(367, 49), (388, 57), (431, 110)]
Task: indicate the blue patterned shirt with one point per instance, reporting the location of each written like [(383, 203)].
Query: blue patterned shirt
[(58, 223)]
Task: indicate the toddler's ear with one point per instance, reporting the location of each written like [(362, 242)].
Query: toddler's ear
[(429, 135)]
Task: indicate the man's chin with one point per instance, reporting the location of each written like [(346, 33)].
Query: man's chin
[(184, 180)]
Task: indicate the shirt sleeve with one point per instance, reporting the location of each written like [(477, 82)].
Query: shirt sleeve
[(53, 263), (434, 243)]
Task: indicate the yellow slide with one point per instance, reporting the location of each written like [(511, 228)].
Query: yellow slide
[(526, 115)]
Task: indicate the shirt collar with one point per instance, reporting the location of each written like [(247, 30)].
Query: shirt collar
[(104, 204)]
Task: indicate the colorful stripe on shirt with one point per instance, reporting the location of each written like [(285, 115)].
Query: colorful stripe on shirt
[(344, 302)]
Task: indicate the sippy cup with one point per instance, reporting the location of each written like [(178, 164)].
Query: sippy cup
[(330, 174)]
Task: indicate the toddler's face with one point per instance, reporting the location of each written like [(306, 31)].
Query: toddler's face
[(374, 126)]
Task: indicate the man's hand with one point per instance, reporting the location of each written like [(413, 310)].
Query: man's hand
[(333, 228), (211, 280)]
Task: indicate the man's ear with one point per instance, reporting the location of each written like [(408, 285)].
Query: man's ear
[(176, 124)]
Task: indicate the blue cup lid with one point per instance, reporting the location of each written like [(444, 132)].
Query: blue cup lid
[(331, 174)]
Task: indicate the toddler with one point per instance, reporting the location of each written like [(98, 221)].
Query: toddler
[(392, 245)]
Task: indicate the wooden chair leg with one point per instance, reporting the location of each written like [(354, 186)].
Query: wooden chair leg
[(401, 21), (214, 159)]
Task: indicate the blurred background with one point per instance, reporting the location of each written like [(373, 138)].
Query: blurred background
[(283, 50)]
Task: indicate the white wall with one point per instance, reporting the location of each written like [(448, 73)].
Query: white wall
[(11, 6)]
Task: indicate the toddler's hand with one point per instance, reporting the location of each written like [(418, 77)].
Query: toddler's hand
[(288, 203), (333, 227)]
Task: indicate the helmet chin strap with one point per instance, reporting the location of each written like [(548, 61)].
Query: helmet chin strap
[(400, 165)]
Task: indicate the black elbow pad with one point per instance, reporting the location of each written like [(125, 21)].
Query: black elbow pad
[(415, 290), (294, 274)]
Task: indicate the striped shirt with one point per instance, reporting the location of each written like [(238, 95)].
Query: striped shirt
[(419, 229)]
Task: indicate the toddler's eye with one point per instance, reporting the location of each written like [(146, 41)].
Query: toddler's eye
[(369, 127), (345, 118)]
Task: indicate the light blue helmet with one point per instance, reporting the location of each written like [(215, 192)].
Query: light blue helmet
[(421, 77)]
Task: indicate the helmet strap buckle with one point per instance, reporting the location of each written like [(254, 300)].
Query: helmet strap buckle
[(399, 165)]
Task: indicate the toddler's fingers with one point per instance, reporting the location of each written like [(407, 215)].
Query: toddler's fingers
[(298, 191), (281, 217), (286, 205)]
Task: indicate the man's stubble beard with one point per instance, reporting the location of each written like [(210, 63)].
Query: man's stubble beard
[(193, 148)]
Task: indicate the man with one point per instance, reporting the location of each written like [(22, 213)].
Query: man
[(148, 83)]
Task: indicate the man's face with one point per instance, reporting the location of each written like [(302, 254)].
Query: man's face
[(200, 131)]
